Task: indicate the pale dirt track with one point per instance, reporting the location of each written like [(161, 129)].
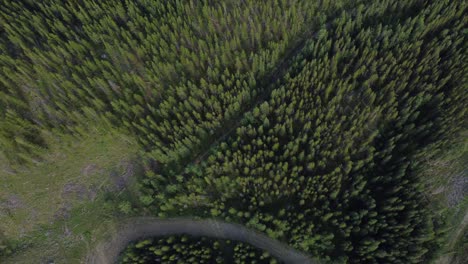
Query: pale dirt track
[(132, 229)]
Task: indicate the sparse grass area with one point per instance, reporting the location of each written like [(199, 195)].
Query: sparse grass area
[(445, 176), (452, 162), (66, 241), (456, 249), (53, 207), (461, 246)]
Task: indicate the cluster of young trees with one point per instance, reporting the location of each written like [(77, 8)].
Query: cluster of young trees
[(328, 162), (175, 73), (187, 249)]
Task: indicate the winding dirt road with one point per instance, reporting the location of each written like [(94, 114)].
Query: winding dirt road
[(143, 227)]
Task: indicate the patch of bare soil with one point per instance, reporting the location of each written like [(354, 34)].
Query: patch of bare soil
[(122, 177), (64, 212), (74, 190), (10, 203), (78, 191), (90, 169), (458, 189)]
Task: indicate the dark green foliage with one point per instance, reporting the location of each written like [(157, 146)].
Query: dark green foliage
[(320, 112), (172, 72), (328, 162), (188, 249), (9, 247)]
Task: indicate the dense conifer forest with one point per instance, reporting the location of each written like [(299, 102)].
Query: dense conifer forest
[(187, 249), (309, 121)]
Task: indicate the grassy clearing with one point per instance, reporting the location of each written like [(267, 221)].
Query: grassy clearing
[(460, 248), (452, 162), (444, 177), (456, 249), (56, 205), (68, 241)]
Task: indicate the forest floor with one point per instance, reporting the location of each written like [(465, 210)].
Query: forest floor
[(132, 229)]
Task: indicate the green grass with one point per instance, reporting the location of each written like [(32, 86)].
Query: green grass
[(461, 246), (87, 164), (88, 225), (451, 161), (438, 175), (456, 247)]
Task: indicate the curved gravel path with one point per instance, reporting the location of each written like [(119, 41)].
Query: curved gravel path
[(107, 252)]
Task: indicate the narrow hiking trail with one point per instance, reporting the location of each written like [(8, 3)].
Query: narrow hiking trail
[(107, 252)]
